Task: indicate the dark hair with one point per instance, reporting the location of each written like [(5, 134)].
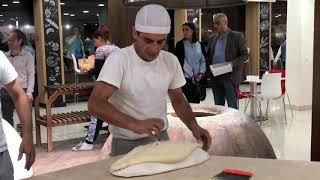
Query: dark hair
[(102, 32), (193, 28), (21, 35)]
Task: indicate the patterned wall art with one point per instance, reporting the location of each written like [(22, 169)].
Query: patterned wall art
[(52, 42), (264, 36)]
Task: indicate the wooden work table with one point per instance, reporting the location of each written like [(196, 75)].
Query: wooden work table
[(263, 169)]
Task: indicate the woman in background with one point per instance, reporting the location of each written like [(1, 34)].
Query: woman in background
[(104, 49), (191, 55)]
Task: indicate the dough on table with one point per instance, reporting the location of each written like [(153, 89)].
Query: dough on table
[(157, 158)]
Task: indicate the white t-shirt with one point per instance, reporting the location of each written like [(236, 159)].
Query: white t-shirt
[(7, 75), (142, 86), (7, 71)]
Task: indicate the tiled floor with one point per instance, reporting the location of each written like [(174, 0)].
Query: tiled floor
[(291, 141)]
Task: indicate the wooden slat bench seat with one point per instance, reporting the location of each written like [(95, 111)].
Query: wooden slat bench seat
[(50, 120)]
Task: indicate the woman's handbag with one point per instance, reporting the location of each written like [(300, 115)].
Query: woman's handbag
[(192, 91)]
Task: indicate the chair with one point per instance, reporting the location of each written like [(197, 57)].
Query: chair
[(283, 85), (243, 95), (77, 72), (271, 89), (76, 69)]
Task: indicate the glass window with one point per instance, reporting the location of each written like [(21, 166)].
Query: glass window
[(80, 19)]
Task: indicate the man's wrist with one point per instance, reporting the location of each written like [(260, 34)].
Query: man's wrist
[(132, 124), (27, 137), (193, 124)]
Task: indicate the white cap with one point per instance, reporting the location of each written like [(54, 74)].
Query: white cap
[(153, 19)]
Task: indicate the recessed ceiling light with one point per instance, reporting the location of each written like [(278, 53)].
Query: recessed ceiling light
[(1, 15), (67, 26), (62, 3), (5, 5), (100, 5), (17, 17), (98, 15), (72, 15), (85, 12), (16, 2), (66, 14), (84, 24)]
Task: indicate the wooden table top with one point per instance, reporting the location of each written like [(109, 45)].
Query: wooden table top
[(262, 169)]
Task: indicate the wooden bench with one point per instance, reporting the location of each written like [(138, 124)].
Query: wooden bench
[(50, 120)]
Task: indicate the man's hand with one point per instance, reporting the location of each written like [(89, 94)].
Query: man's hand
[(30, 98), (27, 148), (151, 127), (202, 135)]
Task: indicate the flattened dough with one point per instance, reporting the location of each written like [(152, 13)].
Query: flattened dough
[(198, 156), (158, 157)]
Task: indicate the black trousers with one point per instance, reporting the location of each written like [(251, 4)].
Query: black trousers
[(223, 89)]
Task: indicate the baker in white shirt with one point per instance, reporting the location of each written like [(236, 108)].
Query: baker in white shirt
[(131, 90), (8, 80)]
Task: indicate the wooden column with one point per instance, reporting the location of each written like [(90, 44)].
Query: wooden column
[(315, 135), (40, 45), (120, 21), (48, 31), (180, 16), (253, 37)]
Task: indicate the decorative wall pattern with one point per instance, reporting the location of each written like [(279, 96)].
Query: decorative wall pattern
[(264, 36), (52, 41)]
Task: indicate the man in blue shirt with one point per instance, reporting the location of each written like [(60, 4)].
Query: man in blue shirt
[(227, 46)]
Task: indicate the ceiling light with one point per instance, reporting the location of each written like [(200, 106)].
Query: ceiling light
[(100, 5), (72, 15), (67, 26), (66, 14), (62, 3), (1, 15), (85, 12), (16, 2), (5, 5), (10, 26), (98, 15), (27, 26)]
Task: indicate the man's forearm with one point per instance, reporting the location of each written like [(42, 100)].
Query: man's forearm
[(24, 113), (184, 112)]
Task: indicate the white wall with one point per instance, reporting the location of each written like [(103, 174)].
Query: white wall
[(300, 32)]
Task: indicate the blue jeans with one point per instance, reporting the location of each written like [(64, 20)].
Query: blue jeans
[(223, 89)]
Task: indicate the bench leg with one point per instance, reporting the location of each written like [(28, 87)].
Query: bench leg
[(38, 134), (49, 139)]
